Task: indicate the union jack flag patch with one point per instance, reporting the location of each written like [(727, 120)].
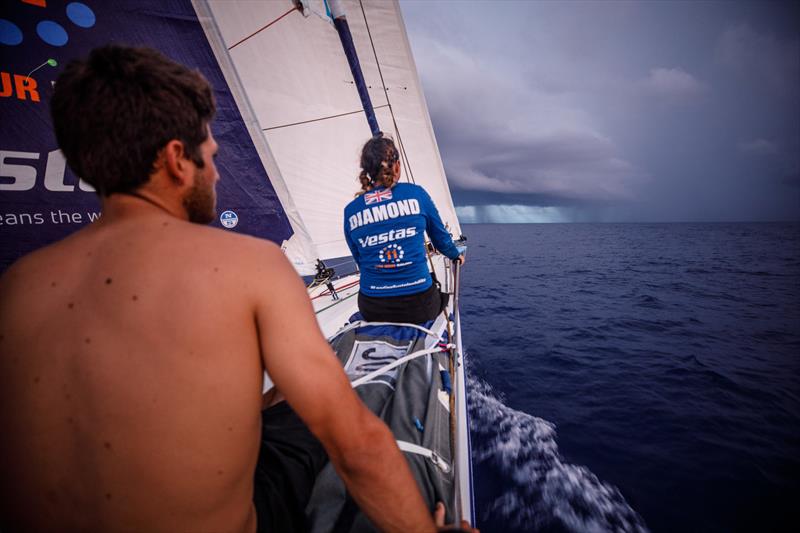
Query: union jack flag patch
[(378, 196)]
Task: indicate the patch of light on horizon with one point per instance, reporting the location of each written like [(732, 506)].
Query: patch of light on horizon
[(510, 214)]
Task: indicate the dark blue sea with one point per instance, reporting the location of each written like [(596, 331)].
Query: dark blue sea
[(633, 377)]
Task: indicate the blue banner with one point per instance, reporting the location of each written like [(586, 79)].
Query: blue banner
[(41, 200)]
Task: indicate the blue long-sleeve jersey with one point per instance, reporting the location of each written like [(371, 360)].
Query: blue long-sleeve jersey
[(384, 230)]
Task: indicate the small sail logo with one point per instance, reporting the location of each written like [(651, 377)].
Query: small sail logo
[(393, 253), (228, 219), (370, 355), (378, 196)]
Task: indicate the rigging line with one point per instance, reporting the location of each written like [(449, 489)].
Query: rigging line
[(386, 94), (319, 119), (263, 28)]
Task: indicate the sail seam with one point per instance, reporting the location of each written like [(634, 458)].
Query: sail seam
[(319, 119)]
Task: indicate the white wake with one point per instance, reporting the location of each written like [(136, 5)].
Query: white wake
[(543, 492)]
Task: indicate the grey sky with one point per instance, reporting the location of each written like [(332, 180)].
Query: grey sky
[(614, 111)]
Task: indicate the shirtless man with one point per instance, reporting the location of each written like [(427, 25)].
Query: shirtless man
[(132, 352)]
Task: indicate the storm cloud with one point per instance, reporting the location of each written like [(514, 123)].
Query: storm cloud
[(611, 111)]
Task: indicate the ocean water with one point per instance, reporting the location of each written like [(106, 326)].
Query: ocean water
[(634, 377)]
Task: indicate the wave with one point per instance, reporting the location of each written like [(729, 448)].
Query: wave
[(542, 492)]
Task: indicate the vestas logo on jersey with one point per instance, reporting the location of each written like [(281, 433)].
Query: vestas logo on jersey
[(383, 238), (379, 213)]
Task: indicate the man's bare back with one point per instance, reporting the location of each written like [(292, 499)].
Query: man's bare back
[(135, 338), (131, 373)]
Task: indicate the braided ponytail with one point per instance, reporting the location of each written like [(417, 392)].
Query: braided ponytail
[(365, 182)]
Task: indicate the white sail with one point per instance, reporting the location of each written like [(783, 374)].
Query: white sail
[(303, 100)]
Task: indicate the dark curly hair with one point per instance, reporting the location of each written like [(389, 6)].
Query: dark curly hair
[(377, 159), (115, 111)]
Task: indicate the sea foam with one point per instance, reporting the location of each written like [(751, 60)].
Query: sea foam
[(543, 492)]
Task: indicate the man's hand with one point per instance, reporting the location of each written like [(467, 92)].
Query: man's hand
[(438, 518), (461, 259)]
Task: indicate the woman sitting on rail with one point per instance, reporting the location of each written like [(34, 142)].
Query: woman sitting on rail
[(384, 228)]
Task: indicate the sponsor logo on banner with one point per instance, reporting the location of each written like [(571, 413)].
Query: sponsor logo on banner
[(19, 85), (228, 219), (25, 86), (49, 31), (41, 198)]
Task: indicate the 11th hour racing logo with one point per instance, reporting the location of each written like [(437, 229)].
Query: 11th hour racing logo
[(391, 256), (393, 253)]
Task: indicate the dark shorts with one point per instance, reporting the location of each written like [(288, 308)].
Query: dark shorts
[(414, 308), (288, 464)]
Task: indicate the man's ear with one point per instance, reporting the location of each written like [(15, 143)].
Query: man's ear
[(176, 163)]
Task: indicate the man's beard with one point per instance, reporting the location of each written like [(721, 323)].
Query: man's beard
[(201, 200)]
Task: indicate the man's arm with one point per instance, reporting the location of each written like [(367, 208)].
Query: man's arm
[(305, 370)]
